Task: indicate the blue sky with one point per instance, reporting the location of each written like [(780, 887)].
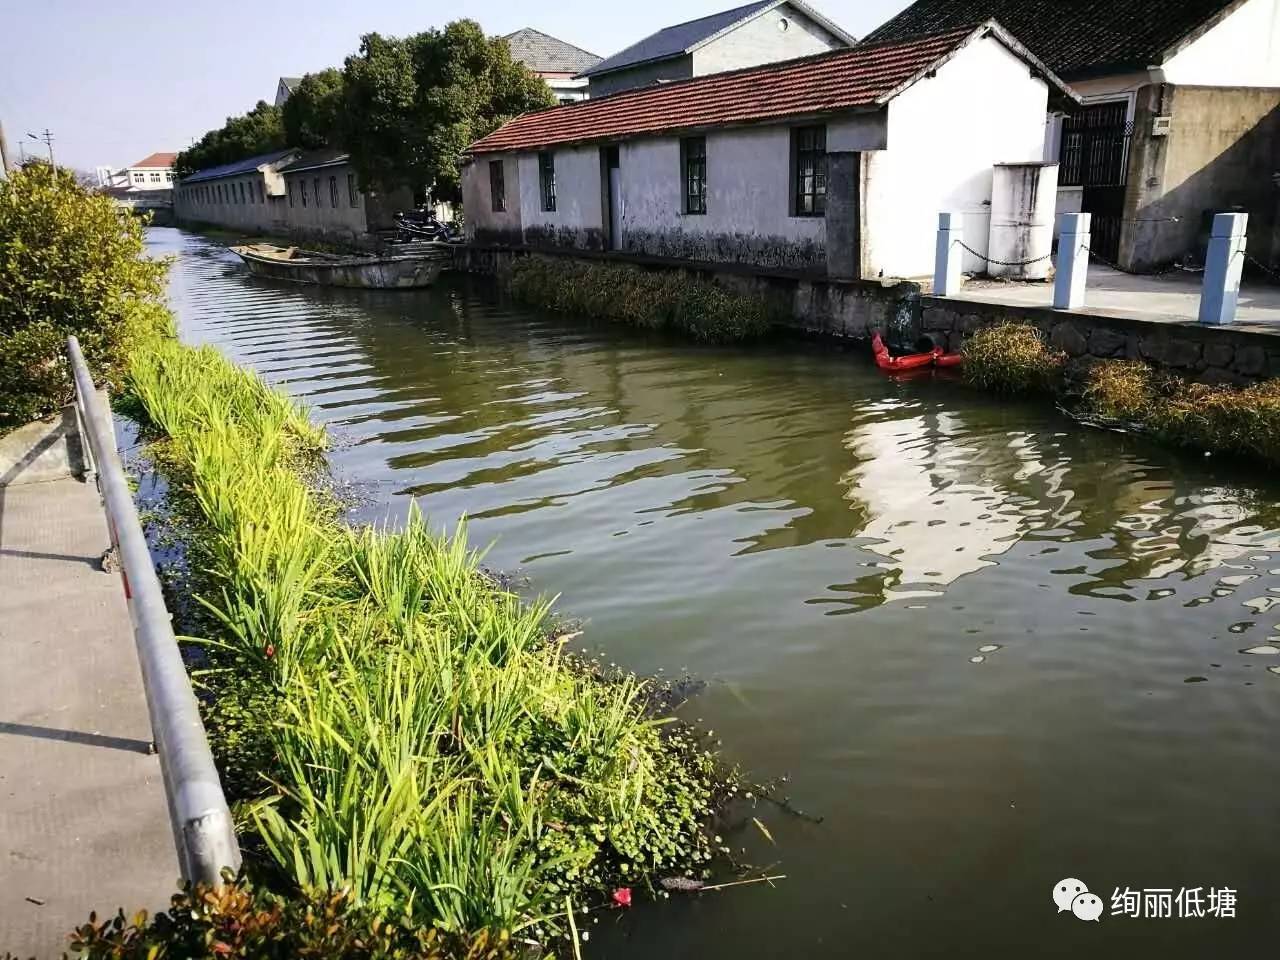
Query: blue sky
[(117, 81)]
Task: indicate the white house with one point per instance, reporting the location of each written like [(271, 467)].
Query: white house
[(765, 31), (154, 172), (838, 162), (1181, 113)]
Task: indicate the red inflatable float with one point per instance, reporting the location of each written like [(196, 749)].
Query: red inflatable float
[(911, 361)]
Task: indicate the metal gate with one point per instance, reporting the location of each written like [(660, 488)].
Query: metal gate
[(1095, 156)]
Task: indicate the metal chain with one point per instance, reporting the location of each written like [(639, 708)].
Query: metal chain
[(1001, 263), (1249, 258)]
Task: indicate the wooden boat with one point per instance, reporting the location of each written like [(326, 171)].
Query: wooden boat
[(911, 361), (399, 271)]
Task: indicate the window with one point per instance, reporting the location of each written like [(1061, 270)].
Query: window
[(352, 195), (547, 180), (315, 190), (292, 190), (155, 178), (809, 163), (241, 186), (333, 192), (302, 190), (497, 186), (168, 177), (262, 194), (693, 161)]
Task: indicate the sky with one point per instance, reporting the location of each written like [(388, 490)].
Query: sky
[(115, 82)]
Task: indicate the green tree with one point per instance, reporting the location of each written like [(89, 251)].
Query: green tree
[(70, 263), (312, 116), (413, 104), (261, 130)]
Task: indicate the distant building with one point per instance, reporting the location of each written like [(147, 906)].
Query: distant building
[(305, 194), (144, 186), (837, 163), (762, 32), (285, 88), (555, 61), (1181, 113)]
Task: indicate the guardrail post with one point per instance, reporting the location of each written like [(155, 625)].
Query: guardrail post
[(203, 830), (946, 261), (1073, 261), (1222, 266)]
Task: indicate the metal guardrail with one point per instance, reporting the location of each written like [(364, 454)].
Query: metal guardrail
[(203, 830)]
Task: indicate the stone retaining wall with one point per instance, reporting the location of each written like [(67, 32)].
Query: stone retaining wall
[(852, 309), (1208, 354)]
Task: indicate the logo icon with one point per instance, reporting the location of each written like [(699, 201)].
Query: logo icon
[(1073, 895)]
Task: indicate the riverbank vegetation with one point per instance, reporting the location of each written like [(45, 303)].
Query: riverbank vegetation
[(69, 264), (1243, 421), (395, 724), (655, 299), (1012, 358)]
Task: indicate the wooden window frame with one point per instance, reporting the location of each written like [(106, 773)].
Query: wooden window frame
[(809, 171), (693, 175), (497, 186), (547, 180)]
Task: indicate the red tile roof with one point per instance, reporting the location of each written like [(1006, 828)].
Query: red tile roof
[(861, 76), (157, 160)]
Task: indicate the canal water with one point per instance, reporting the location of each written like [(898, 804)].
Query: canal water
[(989, 649)]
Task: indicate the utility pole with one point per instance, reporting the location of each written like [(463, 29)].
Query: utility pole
[(47, 137), (4, 154)]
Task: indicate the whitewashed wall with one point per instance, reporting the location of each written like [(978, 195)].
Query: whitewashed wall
[(577, 220), (1243, 50), (482, 221), (748, 214), (945, 133), (762, 40)]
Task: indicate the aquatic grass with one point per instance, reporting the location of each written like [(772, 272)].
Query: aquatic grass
[(420, 740), (653, 299), (1120, 389), (1012, 358)]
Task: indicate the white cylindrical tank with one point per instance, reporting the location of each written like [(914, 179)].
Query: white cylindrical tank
[(1023, 199)]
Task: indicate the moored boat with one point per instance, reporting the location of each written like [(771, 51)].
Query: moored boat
[(399, 271)]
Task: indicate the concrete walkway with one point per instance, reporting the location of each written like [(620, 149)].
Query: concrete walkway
[(1170, 297), (83, 819)]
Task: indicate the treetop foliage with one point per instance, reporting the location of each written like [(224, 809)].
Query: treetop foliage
[(404, 108), (261, 130)]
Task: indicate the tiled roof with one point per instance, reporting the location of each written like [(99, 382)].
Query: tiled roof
[(1074, 37), (313, 159), (864, 76), (291, 83), (673, 41), (248, 165), (543, 53), (158, 160)]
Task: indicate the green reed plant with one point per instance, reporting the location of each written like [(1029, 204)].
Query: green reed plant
[(425, 745), (655, 299)]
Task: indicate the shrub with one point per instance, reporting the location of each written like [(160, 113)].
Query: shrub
[(69, 264), (241, 922), (1120, 389), (1220, 418), (1012, 358), (643, 298)]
